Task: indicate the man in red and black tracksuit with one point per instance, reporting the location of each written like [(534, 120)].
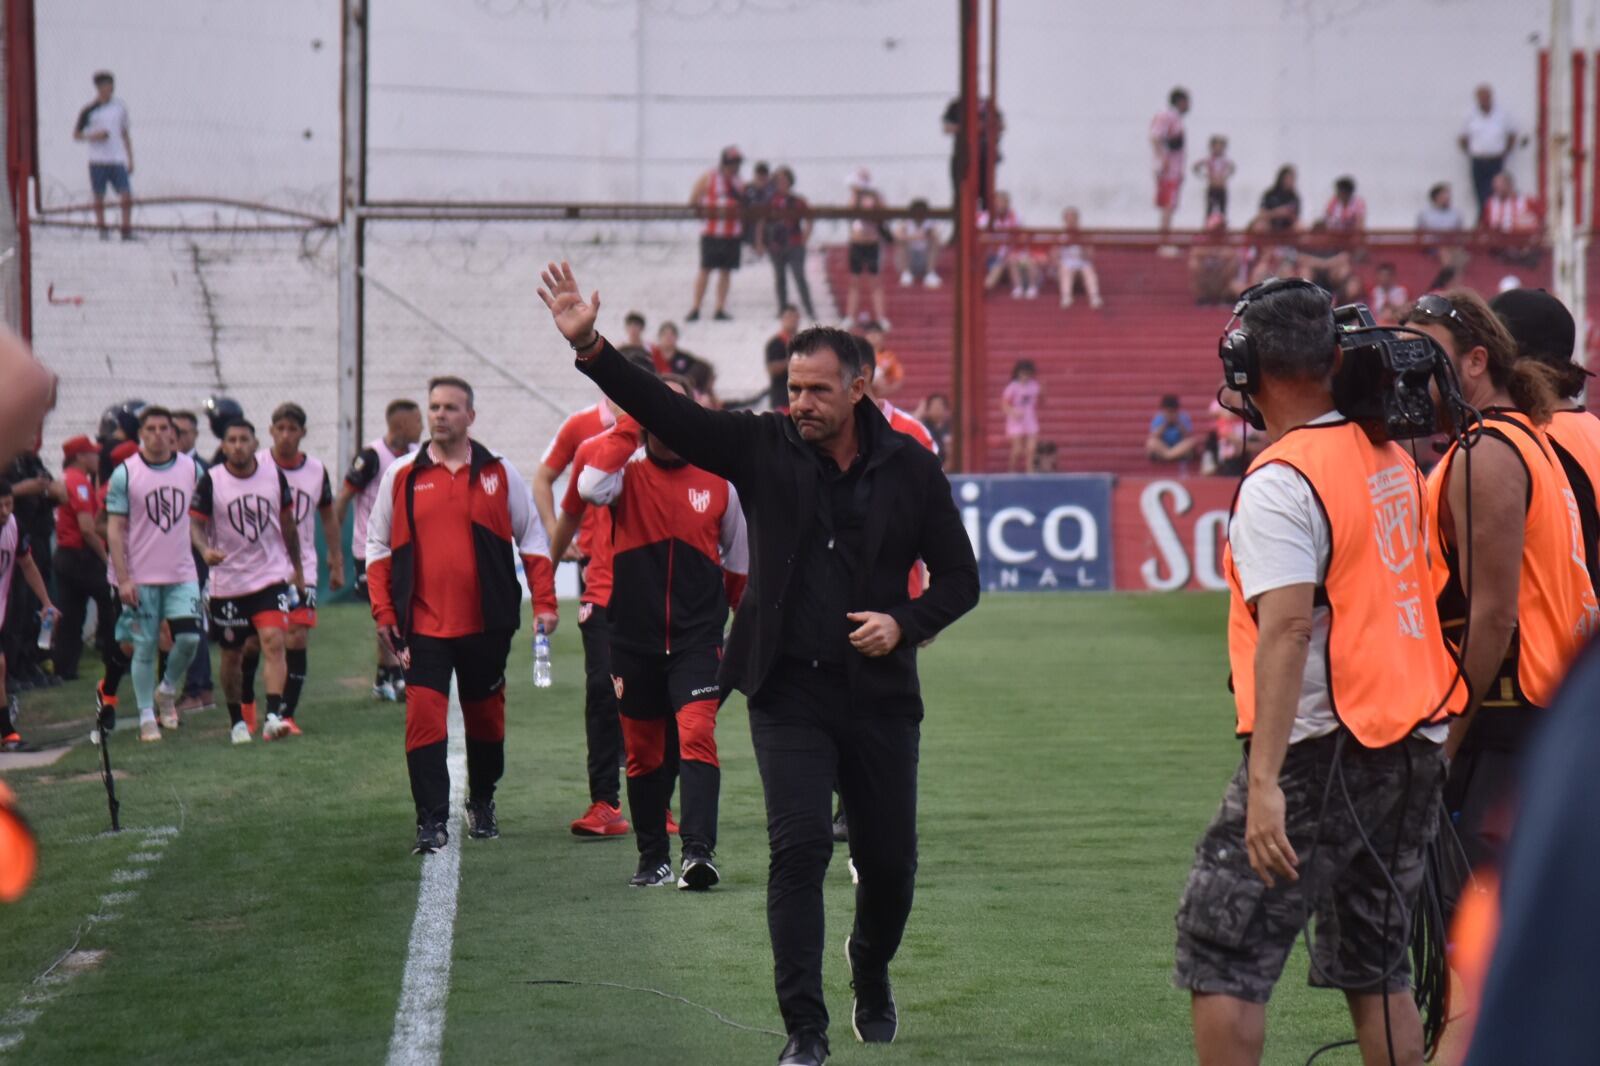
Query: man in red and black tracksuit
[(678, 561), (442, 542)]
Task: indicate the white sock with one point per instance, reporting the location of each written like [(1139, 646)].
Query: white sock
[(166, 689), (146, 714)]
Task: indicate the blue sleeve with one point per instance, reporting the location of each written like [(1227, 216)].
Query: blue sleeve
[(117, 491), (1186, 422), (1156, 423)]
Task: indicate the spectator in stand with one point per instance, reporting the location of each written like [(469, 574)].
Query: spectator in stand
[(1216, 268), (721, 195), (934, 413), (1232, 443), (1172, 437), (1019, 402), (633, 344), (758, 193), (777, 357), (1218, 170), (1166, 146), (865, 249), (685, 364), (1045, 457), (1441, 217), (1009, 261), (917, 242), (890, 375), (783, 236), (954, 115), (1280, 205), (1512, 213), (1389, 300), (1346, 212), (1077, 264), (103, 124), (1487, 138)]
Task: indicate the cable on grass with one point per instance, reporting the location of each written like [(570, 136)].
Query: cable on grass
[(718, 1015)]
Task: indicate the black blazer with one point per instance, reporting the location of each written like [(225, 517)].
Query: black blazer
[(910, 516)]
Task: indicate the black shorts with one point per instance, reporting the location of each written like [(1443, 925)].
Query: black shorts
[(719, 253), (863, 258), (655, 686), (234, 618)]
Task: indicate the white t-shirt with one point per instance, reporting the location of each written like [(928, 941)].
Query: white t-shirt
[(110, 118), (1486, 134), (1280, 538)]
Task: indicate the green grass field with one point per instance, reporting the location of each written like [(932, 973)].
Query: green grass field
[(1074, 748)]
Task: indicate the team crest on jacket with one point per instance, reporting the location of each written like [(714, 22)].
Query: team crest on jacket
[(616, 683), (700, 499), (491, 483)]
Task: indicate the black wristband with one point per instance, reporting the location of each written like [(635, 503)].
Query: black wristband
[(593, 337)]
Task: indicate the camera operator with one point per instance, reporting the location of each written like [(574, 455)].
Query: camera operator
[(1522, 570), (1543, 329), (1341, 682)]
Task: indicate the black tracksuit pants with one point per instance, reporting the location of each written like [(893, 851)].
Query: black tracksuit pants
[(80, 579), (807, 738), (601, 728)]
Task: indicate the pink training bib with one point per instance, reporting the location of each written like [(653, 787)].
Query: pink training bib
[(246, 527), (369, 496), (159, 552), (307, 482), (8, 561)]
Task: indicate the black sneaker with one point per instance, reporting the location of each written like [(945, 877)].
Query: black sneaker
[(692, 316), (481, 823), (873, 1014), (841, 829), (431, 836), (698, 872), (808, 1047), (722, 316), (651, 875)]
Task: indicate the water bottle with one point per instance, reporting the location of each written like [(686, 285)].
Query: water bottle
[(541, 658), (294, 597), (47, 629)]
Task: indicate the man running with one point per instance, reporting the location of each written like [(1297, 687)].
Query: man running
[(308, 480), (117, 655), (403, 428), (14, 555), (147, 504), (442, 542), (677, 533), (244, 526)]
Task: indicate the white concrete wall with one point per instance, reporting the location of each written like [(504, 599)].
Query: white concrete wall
[(563, 99)]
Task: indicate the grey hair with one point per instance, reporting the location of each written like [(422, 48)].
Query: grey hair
[(1293, 333)]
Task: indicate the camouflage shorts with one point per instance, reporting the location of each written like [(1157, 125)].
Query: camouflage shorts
[(1234, 933)]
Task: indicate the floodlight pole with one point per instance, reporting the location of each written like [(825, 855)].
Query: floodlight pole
[(966, 387), (352, 227), (1567, 273)]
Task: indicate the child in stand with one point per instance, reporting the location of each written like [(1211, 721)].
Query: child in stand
[(1019, 401), (1077, 264), (918, 242), (1217, 169)]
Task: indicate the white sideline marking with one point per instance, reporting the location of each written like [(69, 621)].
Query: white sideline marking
[(418, 1038)]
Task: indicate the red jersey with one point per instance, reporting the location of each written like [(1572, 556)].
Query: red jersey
[(679, 551), (596, 575), (911, 426), (81, 499), (440, 559), (579, 427)]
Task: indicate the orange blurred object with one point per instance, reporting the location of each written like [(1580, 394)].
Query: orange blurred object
[(19, 850)]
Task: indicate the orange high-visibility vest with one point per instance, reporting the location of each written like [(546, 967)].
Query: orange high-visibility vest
[(1556, 608), (1389, 670), (1577, 433)]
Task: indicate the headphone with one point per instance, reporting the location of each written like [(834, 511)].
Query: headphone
[(1241, 363)]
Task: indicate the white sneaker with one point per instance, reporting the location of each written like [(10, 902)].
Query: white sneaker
[(906, 280), (384, 692), (167, 707), (274, 728), (1032, 292), (888, 326), (855, 878), (932, 281), (1016, 292), (240, 734), (149, 731)]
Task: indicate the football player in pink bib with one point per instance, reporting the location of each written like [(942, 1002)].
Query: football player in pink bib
[(313, 502), (14, 556), (243, 525), (147, 503)]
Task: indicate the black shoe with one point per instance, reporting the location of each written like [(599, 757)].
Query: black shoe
[(431, 836), (841, 831), (873, 1014), (698, 872), (808, 1047), (651, 875), (692, 316), (481, 823), (723, 316)]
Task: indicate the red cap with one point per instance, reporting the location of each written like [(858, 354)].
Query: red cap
[(73, 447), (124, 451)]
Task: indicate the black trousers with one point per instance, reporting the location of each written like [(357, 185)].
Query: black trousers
[(80, 579), (807, 738), (600, 725), (478, 661), (786, 261), (1484, 169), (21, 623)]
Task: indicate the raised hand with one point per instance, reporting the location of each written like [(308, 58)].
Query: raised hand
[(574, 316)]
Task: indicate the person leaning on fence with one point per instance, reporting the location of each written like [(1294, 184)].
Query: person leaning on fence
[(824, 643), (1324, 710)]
